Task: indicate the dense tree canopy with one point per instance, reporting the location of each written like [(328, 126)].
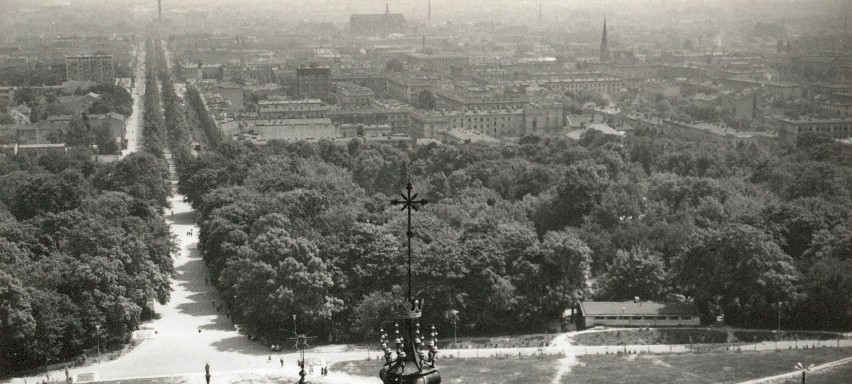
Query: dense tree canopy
[(516, 233), (81, 245)]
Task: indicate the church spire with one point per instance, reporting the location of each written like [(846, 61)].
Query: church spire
[(604, 50)]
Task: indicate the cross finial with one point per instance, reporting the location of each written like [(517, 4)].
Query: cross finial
[(409, 202)]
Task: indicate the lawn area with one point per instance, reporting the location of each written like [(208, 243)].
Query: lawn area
[(497, 370), (510, 341), (836, 375), (728, 367), (696, 368), (652, 337), (767, 335)]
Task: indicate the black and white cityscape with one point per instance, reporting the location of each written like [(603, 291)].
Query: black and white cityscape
[(425, 191)]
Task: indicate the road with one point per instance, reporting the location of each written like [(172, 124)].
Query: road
[(133, 132)]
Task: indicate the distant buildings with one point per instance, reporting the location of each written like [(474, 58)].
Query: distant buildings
[(377, 24), (544, 118), (785, 90), (439, 62), (711, 133), (382, 112), (600, 127), (7, 96), (427, 124), (231, 92), (461, 99), (313, 129), (839, 128), (21, 114), (635, 313), (836, 109), (593, 82), (407, 88), (612, 56), (362, 130), (351, 96), (314, 82), (538, 118), (252, 73), (97, 68), (292, 109)]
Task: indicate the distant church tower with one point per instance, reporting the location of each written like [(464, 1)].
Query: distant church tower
[(604, 50)]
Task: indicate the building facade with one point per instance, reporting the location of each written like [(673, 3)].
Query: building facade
[(596, 84), (789, 130), (314, 82), (377, 24), (544, 118), (289, 129), (352, 96), (292, 109), (98, 68), (427, 124), (407, 88), (714, 133), (637, 313)]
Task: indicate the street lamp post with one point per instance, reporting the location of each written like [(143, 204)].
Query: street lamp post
[(98, 335), (800, 366), (779, 322), (455, 334)]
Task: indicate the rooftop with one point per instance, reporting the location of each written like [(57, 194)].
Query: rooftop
[(462, 135), (350, 89), (595, 308), (290, 102), (810, 120)]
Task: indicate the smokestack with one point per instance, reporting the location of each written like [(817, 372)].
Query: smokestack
[(539, 13), (387, 7), (429, 15), (160, 9)]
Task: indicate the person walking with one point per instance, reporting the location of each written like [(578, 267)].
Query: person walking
[(282, 362)]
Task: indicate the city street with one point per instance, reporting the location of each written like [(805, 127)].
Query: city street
[(133, 132)]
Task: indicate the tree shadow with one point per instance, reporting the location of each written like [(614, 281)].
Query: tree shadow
[(241, 344), (183, 218)]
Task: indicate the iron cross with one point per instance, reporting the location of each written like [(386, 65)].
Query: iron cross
[(409, 202)]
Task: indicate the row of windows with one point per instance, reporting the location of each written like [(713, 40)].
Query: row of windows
[(836, 128), (639, 317)]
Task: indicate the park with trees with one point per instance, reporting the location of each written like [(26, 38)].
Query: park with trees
[(515, 233), (84, 248), (84, 252)]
